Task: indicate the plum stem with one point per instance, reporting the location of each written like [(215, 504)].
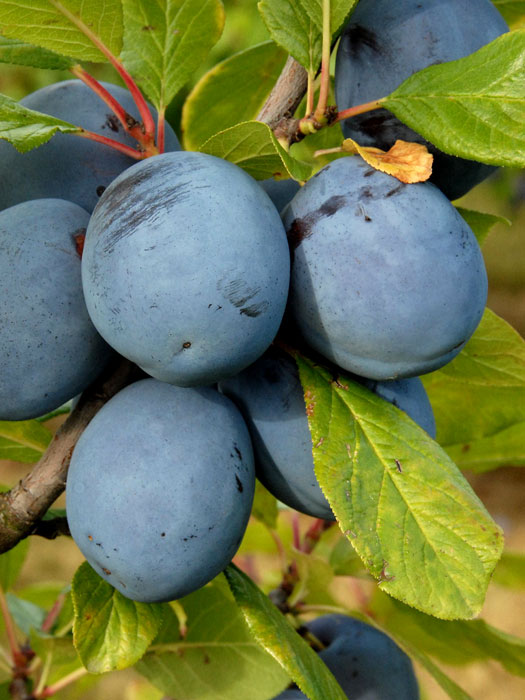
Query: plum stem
[(14, 647), (359, 109), (127, 150), (325, 64), (142, 106), (161, 130), (131, 126), (50, 690)]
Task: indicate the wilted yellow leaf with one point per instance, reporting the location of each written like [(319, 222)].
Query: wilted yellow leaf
[(407, 161)]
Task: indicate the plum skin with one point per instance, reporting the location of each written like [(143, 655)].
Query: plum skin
[(387, 279), (186, 268), (386, 42), (69, 167), (49, 349), (160, 489), (270, 397), (366, 663)]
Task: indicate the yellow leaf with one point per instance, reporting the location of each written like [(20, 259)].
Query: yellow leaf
[(407, 161)]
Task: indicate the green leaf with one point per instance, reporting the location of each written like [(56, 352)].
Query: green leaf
[(26, 615), (473, 107), (479, 399), (23, 441), (315, 576), (481, 223), (510, 571), (275, 634), (246, 77), (10, 564), (110, 631), (166, 41), (291, 27), (217, 659), (339, 11), (25, 128), (264, 506), (452, 642), (407, 510), (253, 147), (345, 561), (18, 52), (512, 10), (51, 25)]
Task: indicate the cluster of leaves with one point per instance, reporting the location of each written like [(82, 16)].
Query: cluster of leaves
[(408, 516)]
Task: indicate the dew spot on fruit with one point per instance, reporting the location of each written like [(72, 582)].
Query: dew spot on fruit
[(240, 487)]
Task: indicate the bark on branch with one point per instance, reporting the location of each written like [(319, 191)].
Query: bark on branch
[(22, 508)]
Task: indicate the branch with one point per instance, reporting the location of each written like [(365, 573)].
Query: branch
[(284, 99), (27, 502)]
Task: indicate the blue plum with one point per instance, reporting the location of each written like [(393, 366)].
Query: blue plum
[(160, 489), (280, 191), (386, 42), (388, 280), (366, 663), (69, 167), (186, 268), (49, 349), (270, 397)]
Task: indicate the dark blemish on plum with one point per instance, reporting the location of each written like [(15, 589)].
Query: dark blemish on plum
[(302, 228), (369, 172), (190, 537), (99, 544), (211, 528), (115, 549), (106, 571), (237, 292), (237, 451), (458, 345), (186, 345), (354, 674), (357, 38), (163, 534), (255, 310), (122, 584), (209, 306), (240, 487), (366, 193), (79, 238), (394, 191), (100, 190), (113, 122), (124, 212)]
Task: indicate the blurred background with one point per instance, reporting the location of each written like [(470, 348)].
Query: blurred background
[(51, 564)]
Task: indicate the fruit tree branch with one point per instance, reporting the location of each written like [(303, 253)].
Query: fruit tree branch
[(26, 503), (284, 99)]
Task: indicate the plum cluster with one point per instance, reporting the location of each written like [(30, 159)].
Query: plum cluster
[(187, 266)]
